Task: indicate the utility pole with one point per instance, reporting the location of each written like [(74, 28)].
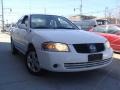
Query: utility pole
[(2, 15), (106, 12), (81, 8)]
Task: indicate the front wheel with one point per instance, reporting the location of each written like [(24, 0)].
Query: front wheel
[(32, 62)]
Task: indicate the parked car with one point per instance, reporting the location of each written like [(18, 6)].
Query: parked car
[(54, 43), (90, 23), (112, 33), (85, 24)]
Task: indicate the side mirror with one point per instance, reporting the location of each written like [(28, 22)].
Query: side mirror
[(22, 26)]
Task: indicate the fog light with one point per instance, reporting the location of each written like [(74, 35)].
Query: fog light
[(55, 65)]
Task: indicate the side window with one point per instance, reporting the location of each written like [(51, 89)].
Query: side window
[(25, 20)]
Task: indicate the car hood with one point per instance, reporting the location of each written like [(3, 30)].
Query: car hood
[(69, 36)]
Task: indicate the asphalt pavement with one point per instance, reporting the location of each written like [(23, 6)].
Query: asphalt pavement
[(14, 75)]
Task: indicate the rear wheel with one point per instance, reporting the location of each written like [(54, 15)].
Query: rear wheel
[(32, 62)]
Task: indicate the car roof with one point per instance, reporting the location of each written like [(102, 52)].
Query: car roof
[(41, 15)]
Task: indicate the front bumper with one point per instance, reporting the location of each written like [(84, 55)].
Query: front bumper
[(72, 62)]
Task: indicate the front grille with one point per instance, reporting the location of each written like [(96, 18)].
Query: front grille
[(89, 48), (86, 64)]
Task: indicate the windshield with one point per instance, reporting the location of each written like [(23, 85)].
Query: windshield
[(102, 22), (51, 22)]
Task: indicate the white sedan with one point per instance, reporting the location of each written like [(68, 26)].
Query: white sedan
[(54, 43)]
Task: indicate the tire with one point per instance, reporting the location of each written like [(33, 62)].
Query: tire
[(32, 63), (13, 49)]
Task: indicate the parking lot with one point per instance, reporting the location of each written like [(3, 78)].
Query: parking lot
[(14, 75)]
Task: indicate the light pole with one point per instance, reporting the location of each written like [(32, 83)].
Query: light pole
[(2, 15), (81, 8), (106, 12)]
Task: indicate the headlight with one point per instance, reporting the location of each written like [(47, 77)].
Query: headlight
[(107, 44), (57, 47)]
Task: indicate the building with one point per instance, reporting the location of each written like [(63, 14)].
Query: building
[(80, 17)]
